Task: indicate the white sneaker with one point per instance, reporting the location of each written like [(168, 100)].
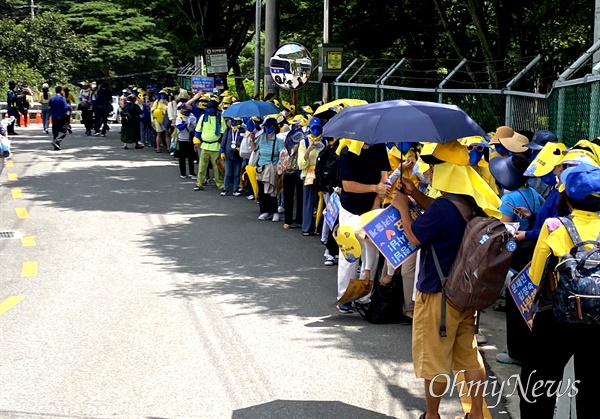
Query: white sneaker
[(280, 210), (329, 260), (250, 197), (275, 218), (264, 216)]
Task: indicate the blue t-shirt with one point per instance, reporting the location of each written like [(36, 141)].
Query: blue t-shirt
[(527, 198), (442, 226)]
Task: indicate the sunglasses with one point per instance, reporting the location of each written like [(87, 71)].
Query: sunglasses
[(475, 147)]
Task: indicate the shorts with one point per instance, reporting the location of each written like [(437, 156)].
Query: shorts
[(435, 356)]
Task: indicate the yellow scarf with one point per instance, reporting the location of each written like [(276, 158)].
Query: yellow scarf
[(354, 146)]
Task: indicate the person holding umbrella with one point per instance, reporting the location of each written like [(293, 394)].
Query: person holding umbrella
[(441, 227)]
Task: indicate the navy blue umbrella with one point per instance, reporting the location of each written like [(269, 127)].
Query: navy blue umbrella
[(402, 121), (250, 108)]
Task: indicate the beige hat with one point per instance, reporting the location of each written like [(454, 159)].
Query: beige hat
[(502, 132), (516, 143), (183, 94)]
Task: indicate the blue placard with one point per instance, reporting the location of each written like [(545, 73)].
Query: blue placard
[(523, 291), (388, 235), (206, 84), (332, 210)]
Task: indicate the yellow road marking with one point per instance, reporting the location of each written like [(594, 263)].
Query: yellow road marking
[(10, 302), (12, 176), (27, 241), (22, 212), (29, 269), (465, 400), (17, 193), (10, 163)]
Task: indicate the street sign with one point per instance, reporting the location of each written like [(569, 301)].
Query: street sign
[(216, 61), (206, 84)]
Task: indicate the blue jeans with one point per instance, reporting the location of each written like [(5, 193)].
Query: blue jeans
[(147, 133), (232, 173)]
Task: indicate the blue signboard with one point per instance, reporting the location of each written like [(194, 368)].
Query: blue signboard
[(387, 234), (206, 84), (523, 291), (332, 210)]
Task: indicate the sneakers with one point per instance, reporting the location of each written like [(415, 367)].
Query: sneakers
[(481, 339), (236, 193), (345, 308), (264, 216), (193, 177), (224, 193), (97, 134), (55, 144), (198, 188), (504, 358), (329, 260), (182, 177), (280, 210), (275, 217), (250, 197)]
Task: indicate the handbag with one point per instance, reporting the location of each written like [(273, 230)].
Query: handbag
[(288, 162), (245, 148), (309, 179)]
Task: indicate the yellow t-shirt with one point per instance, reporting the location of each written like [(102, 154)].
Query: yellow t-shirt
[(559, 243)]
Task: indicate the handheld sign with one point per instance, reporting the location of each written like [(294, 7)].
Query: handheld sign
[(523, 291), (332, 210), (388, 235)]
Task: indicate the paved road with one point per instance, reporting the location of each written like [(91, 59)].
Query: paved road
[(145, 299)]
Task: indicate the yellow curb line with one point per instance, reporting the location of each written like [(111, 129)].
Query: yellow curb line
[(27, 241), (29, 269), (10, 302), (22, 212), (17, 193)]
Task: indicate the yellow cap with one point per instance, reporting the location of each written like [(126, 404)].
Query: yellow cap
[(548, 157), (583, 152), (227, 100), (226, 93), (299, 119), (288, 106), (475, 140)]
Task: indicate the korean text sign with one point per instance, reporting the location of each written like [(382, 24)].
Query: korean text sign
[(523, 291), (388, 235)]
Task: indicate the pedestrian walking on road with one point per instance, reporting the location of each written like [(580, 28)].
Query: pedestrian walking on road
[(60, 112), (130, 123)]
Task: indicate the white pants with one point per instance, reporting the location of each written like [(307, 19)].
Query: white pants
[(347, 270)]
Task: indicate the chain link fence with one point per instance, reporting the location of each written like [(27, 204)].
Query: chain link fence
[(574, 112)]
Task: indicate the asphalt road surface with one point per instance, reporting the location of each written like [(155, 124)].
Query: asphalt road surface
[(132, 296)]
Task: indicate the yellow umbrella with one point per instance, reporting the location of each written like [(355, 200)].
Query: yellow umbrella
[(320, 208), (251, 172), (338, 104)]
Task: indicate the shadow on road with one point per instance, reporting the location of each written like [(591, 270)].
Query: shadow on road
[(300, 409)]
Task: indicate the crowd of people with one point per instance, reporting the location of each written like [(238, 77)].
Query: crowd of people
[(547, 192)]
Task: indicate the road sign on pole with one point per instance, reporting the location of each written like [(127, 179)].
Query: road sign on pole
[(216, 61)]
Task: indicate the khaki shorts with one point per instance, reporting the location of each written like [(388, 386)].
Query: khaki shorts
[(434, 355)]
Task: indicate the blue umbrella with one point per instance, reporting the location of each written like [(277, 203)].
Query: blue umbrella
[(250, 108), (402, 121)]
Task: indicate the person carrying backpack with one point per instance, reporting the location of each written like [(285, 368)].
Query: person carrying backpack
[(439, 232), (563, 326)]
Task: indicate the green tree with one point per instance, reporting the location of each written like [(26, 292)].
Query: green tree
[(123, 40)]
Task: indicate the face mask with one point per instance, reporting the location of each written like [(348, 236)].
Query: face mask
[(501, 150), (234, 123), (474, 157), (269, 130), (549, 179), (404, 147), (251, 125), (316, 130)]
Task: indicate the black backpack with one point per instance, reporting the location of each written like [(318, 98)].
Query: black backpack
[(386, 304), (326, 169)]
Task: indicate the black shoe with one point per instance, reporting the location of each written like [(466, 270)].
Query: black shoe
[(125, 148), (56, 145), (406, 320), (198, 188), (13, 133), (139, 146), (70, 131)]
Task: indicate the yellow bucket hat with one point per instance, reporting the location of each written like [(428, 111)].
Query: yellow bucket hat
[(464, 180), (300, 120), (548, 157), (427, 150), (452, 152)]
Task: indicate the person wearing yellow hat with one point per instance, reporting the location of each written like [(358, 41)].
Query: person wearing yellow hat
[(160, 120), (478, 150), (441, 227), (554, 342)]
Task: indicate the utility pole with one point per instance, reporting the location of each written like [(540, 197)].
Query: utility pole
[(326, 40), (596, 58), (257, 27), (271, 44), (32, 9)]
